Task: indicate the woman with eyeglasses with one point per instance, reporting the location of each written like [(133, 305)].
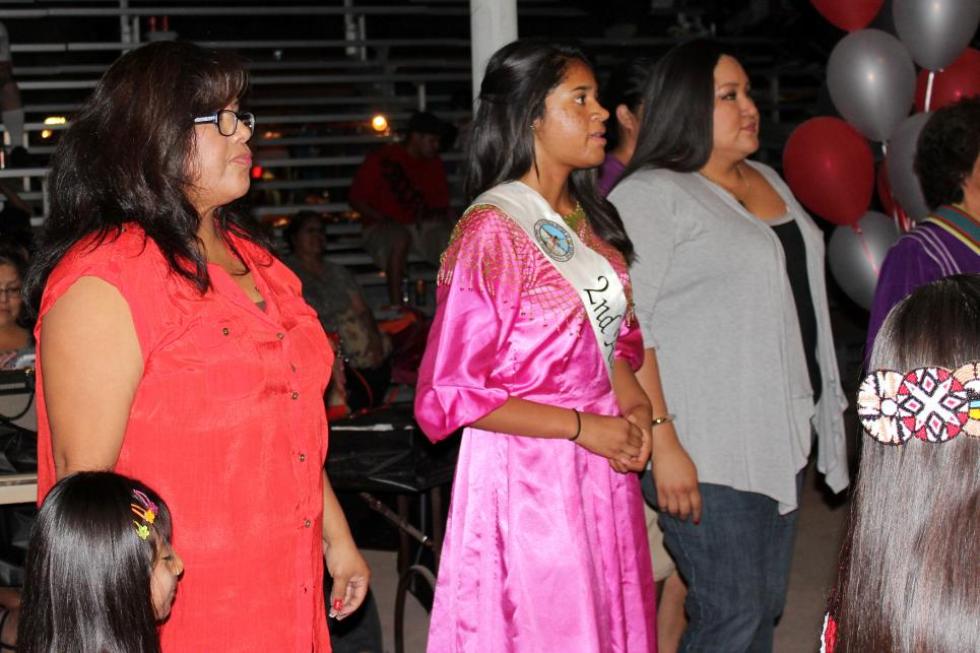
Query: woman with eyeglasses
[(175, 348), (15, 337)]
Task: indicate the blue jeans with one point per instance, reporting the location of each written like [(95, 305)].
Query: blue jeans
[(736, 565)]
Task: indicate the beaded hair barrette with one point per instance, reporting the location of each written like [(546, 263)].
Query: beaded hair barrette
[(146, 511), (933, 404)]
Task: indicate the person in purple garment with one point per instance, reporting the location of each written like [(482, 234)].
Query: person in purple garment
[(624, 97), (947, 162)]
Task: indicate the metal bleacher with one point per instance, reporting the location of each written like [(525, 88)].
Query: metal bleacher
[(319, 71)]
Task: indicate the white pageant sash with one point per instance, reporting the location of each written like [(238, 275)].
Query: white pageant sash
[(589, 273)]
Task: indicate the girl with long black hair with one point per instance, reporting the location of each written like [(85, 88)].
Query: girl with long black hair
[(100, 572), (532, 351), (909, 571)]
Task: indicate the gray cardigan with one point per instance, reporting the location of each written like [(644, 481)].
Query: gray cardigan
[(713, 298)]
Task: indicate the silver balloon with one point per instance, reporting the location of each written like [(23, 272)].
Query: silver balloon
[(936, 31), (901, 176), (856, 253), (871, 79)]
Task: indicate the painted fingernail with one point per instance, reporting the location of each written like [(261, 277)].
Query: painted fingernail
[(338, 605)]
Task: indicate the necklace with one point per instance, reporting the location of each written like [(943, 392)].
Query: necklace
[(574, 219)]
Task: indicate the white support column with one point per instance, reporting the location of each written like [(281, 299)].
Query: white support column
[(125, 31), (350, 29), (493, 23)]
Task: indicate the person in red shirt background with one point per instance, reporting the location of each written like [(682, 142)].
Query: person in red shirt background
[(402, 194)]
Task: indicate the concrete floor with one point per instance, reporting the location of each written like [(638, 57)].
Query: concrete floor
[(821, 527)]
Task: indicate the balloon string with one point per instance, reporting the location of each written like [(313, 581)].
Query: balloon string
[(866, 250), (932, 76)]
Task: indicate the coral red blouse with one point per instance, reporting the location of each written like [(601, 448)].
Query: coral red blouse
[(228, 425)]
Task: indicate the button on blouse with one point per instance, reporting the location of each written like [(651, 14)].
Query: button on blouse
[(209, 431)]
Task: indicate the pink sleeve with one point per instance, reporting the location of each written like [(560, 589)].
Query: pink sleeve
[(629, 345), (478, 301)]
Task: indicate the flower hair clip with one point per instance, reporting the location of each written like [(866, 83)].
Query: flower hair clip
[(146, 510), (933, 404)]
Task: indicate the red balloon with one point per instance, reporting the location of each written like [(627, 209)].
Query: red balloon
[(849, 15), (830, 168), (958, 80)]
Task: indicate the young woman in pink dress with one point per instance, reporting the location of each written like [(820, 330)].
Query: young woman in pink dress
[(532, 350)]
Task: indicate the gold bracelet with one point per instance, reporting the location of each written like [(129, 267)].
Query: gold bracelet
[(657, 421)]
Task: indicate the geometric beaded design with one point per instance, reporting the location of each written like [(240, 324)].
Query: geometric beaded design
[(969, 376), (877, 408), (932, 404)]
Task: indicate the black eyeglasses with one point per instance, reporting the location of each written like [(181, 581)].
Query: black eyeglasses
[(227, 121)]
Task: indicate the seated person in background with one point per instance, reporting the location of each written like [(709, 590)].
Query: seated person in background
[(402, 195), (15, 336), (947, 162), (333, 292)]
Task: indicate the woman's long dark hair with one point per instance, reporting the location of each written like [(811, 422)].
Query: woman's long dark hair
[(87, 574), (124, 158), (909, 565), (500, 148), (676, 131)]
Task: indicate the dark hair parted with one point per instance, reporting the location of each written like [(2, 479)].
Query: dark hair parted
[(909, 564), (626, 85), (297, 222), (87, 572), (124, 158), (677, 129), (500, 148), (947, 151)]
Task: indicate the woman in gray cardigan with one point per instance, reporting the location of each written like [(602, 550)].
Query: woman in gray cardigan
[(730, 296)]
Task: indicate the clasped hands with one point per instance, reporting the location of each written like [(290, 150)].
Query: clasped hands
[(627, 443), (624, 441)]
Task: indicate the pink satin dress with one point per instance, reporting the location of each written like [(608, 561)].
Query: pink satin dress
[(546, 546)]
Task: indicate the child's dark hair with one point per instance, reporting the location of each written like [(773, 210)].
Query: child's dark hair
[(87, 574), (909, 570)]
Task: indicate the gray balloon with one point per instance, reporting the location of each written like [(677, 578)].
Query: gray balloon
[(871, 79), (936, 31), (904, 183), (856, 255)]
